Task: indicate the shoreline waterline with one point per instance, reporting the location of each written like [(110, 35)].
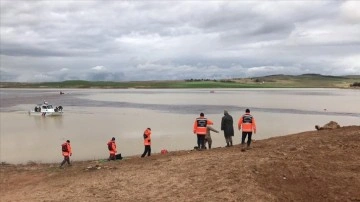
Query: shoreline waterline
[(92, 117)]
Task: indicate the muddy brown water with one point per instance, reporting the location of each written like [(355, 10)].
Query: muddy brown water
[(92, 116)]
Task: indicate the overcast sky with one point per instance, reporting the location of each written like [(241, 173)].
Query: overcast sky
[(168, 40)]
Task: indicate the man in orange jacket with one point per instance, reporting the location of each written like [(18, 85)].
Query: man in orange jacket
[(248, 125), (200, 129), (147, 142), (66, 152), (112, 149)]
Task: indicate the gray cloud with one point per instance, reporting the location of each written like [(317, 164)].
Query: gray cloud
[(137, 40)]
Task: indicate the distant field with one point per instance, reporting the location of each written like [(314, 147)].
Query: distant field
[(273, 81)]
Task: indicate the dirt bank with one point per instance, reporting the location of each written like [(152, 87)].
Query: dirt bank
[(310, 166)]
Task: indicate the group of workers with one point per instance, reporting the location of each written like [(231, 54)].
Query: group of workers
[(202, 128), (67, 151)]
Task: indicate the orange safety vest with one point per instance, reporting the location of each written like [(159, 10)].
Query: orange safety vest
[(68, 152), (247, 123), (147, 137), (113, 147), (200, 125)]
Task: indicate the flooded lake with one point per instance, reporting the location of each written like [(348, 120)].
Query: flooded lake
[(92, 116)]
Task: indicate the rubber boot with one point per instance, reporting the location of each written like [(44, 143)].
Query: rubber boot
[(243, 147)]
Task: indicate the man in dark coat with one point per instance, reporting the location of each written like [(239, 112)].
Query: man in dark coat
[(228, 128)]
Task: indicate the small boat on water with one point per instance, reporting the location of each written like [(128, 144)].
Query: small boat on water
[(46, 109)]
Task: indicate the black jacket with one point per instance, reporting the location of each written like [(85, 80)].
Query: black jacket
[(227, 125)]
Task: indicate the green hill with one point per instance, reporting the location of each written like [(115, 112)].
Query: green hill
[(270, 81)]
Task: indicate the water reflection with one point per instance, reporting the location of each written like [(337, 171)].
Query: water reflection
[(48, 122)]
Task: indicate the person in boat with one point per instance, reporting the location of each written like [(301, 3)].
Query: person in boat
[(66, 152), (58, 109)]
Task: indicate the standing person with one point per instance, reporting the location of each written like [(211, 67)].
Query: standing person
[(228, 127), (208, 139), (147, 142), (66, 152), (200, 129), (112, 149), (248, 125)]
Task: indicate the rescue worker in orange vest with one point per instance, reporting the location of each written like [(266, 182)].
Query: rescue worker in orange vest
[(66, 152), (112, 149), (200, 129), (248, 125), (147, 142)]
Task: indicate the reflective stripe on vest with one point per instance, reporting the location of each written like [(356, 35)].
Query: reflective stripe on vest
[(201, 126), (247, 118), (247, 123)]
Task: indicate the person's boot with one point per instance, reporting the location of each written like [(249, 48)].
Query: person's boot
[(227, 144), (243, 147), (231, 144)]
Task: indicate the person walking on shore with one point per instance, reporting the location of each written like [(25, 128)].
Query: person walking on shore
[(112, 149), (208, 139), (66, 152), (200, 129), (248, 125), (228, 127), (147, 142)]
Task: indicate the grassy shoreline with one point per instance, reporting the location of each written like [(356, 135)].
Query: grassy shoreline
[(273, 81)]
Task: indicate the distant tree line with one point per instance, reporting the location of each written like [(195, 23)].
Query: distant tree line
[(356, 84), (194, 80), (214, 80)]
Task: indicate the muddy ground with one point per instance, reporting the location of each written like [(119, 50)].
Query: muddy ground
[(309, 166)]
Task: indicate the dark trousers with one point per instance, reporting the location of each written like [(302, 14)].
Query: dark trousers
[(244, 134), (147, 150), (112, 157), (66, 159), (201, 141)]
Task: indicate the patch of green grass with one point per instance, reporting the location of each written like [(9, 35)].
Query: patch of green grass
[(272, 81)]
